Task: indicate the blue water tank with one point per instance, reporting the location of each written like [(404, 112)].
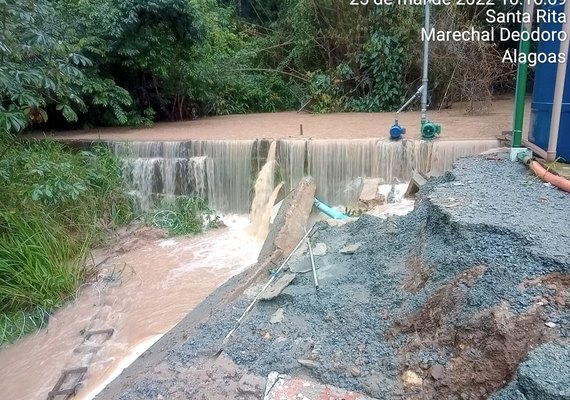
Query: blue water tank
[(543, 95)]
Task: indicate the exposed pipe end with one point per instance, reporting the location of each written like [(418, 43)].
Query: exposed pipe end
[(521, 154), (524, 158), (551, 156)]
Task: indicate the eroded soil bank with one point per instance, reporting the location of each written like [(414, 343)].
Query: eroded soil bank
[(442, 303)]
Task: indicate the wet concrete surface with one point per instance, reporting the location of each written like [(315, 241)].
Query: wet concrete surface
[(466, 285)]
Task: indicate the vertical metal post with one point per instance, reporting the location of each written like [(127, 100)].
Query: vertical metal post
[(426, 62), (558, 93), (522, 73)]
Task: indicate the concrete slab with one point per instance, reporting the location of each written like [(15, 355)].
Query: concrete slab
[(289, 225), (416, 183), (277, 287), (369, 189), (282, 387)]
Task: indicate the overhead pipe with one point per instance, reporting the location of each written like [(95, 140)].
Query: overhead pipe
[(425, 78), (558, 92), (428, 129), (541, 172), (522, 74), (419, 92)]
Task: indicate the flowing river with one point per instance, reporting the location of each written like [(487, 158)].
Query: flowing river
[(141, 294)]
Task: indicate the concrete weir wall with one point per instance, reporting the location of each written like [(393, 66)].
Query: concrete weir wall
[(224, 171)]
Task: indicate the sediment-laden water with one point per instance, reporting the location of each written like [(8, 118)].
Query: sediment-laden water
[(225, 172)]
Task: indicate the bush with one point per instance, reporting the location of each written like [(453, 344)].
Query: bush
[(54, 205)]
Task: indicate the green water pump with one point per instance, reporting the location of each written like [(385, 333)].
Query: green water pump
[(430, 130)]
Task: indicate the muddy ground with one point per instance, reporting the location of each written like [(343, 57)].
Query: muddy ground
[(443, 303)]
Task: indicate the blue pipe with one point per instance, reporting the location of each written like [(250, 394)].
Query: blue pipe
[(328, 210)]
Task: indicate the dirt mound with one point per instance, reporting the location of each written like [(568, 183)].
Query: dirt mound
[(486, 347)]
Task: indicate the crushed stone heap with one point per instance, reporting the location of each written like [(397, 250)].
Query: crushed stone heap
[(442, 303)]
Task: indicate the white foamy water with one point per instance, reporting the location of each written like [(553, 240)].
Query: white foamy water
[(396, 204)]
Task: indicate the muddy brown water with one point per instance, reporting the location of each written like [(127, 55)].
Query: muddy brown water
[(456, 125), (141, 294)]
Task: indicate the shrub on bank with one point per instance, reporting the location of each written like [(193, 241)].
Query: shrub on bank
[(54, 206)]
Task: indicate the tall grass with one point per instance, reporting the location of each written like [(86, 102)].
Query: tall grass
[(54, 205), (39, 265)]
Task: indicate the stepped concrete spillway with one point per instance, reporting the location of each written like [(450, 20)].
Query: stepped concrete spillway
[(224, 171)]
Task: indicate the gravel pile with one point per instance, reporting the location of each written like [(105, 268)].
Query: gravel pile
[(486, 237)]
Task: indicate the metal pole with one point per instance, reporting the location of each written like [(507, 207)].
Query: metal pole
[(426, 62), (522, 73), (315, 278), (407, 103), (248, 309), (558, 93)]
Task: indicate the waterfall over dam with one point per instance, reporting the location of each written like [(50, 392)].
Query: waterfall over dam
[(225, 171)]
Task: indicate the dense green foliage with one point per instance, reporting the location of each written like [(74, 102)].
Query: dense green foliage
[(55, 204), (66, 63)]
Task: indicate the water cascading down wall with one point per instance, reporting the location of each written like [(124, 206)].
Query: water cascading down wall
[(224, 171)]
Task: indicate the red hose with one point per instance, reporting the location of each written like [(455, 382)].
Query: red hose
[(556, 180)]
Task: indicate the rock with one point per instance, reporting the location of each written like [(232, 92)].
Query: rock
[(350, 249), (369, 196), (266, 335), (436, 371), (277, 316), (550, 324), (301, 267), (411, 379), (319, 249), (250, 384), (369, 189), (277, 287), (546, 373), (308, 363), (355, 372)]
